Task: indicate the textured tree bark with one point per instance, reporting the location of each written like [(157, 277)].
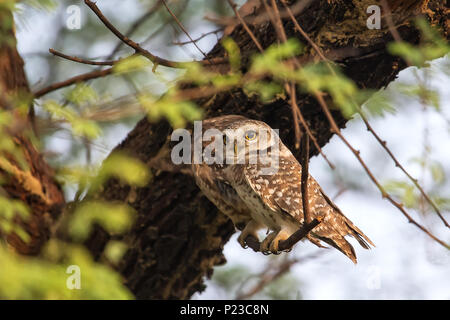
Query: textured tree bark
[(33, 184), (179, 235)]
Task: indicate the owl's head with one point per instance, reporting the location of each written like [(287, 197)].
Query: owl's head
[(244, 140)]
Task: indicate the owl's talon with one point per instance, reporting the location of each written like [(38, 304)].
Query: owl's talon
[(266, 243), (250, 230), (272, 241)]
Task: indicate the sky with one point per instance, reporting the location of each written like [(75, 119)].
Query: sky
[(405, 264)]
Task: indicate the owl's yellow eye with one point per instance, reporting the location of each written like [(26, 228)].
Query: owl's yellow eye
[(250, 135), (225, 139)]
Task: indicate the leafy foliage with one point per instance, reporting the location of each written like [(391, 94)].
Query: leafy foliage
[(46, 278)]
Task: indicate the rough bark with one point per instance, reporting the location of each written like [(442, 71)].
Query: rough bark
[(33, 183), (179, 235)]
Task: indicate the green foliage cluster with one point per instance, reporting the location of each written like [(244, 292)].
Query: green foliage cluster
[(46, 277)]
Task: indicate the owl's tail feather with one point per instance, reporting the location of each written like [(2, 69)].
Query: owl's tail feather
[(342, 245), (356, 233), (347, 227), (336, 237)]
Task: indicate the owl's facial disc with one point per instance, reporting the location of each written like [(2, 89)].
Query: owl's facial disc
[(246, 141)]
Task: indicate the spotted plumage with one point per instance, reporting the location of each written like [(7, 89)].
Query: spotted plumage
[(256, 198)]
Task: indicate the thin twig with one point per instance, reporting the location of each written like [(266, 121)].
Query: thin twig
[(397, 164), (397, 37), (372, 131), (128, 41), (155, 59), (136, 26), (81, 60), (299, 234), (183, 28), (305, 175), (308, 129), (278, 24), (182, 43), (389, 21), (272, 273), (297, 114), (267, 277), (80, 78), (244, 24), (335, 129), (302, 32), (287, 244)]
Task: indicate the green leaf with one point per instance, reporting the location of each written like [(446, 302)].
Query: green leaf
[(270, 60), (131, 64), (266, 90), (83, 127), (81, 94), (437, 172), (127, 169), (234, 54), (405, 191), (115, 250), (175, 111), (114, 218)]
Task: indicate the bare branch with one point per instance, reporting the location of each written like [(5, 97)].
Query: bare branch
[(136, 26), (305, 175), (155, 59), (183, 28), (308, 130), (244, 24), (272, 273), (397, 164), (390, 23), (296, 112), (182, 43), (81, 60), (335, 129), (80, 78), (397, 37), (268, 276), (303, 33), (289, 242)]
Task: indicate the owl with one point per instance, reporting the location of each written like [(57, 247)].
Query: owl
[(254, 179)]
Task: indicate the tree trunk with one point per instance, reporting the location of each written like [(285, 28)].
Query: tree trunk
[(32, 183), (179, 235)]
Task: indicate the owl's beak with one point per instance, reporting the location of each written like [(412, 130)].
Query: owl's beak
[(235, 147)]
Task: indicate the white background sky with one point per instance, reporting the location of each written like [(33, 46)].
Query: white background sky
[(405, 264)]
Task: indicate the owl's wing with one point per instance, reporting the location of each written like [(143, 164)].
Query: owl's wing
[(222, 194), (279, 191), (354, 231), (282, 193)]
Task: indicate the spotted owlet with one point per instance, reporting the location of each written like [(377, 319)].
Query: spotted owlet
[(255, 180)]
